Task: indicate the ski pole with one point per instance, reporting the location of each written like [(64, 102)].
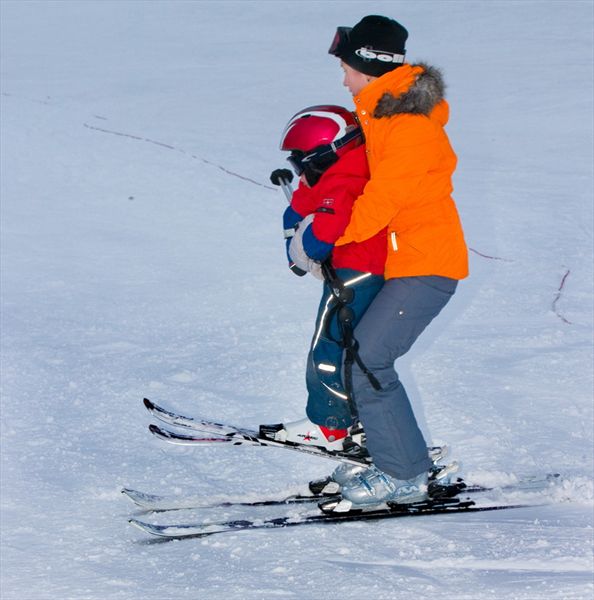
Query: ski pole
[(283, 177), (287, 189)]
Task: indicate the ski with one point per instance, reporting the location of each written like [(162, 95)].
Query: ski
[(221, 433), (303, 494), (312, 492), (253, 439), (194, 423), (159, 503), (430, 507)]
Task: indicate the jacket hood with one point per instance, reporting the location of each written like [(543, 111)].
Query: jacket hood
[(425, 92)]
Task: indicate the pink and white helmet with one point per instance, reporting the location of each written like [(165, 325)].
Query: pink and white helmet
[(321, 131)]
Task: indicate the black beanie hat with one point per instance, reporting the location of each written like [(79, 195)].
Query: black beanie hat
[(374, 46)]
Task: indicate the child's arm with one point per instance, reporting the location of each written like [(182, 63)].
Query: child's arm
[(332, 215), (302, 204)]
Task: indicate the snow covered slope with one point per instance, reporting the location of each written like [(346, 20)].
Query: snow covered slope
[(142, 255)]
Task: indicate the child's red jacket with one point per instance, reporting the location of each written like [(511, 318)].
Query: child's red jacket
[(331, 200)]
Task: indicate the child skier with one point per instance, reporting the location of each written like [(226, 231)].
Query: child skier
[(328, 155)]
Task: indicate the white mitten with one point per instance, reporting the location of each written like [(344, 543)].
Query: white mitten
[(298, 254)]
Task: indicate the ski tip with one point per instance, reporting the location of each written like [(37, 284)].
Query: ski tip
[(148, 404), (144, 527), (159, 433), (132, 495)]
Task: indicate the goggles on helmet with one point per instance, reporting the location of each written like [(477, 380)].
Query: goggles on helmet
[(296, 162), (312, 168), (341, 39), (317, 161)]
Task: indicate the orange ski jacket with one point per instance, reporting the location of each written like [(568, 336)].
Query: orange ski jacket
[(403, 114)]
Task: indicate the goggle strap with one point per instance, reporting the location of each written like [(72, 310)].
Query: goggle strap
[(334, 146)]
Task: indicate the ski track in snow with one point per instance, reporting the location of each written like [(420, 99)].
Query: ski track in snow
[(169, 147), (558, 297)]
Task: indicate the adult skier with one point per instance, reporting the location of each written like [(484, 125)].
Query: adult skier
[(402, 112)]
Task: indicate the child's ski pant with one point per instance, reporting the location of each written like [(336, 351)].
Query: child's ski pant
[(393, 321), (328, 403)]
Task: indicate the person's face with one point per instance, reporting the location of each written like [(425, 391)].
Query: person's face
[(354, 80)]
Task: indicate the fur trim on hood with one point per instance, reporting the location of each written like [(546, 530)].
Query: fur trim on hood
[(421, 98)]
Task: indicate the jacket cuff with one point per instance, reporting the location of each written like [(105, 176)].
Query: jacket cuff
[(315, 248), (291, 217)]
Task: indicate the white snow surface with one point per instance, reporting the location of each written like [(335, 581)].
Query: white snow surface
[(142, 256)]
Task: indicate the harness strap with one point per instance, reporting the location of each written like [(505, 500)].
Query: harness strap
[(344, 296)]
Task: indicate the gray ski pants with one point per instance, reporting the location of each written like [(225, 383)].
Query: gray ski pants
[(394, 320)]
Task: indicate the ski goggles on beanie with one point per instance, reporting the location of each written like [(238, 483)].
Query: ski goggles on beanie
[(374, 46), (340, 41)]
